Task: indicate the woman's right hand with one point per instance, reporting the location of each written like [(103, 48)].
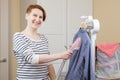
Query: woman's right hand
[(66, 55)]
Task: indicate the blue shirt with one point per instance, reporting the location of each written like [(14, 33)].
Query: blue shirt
[(80, 67)]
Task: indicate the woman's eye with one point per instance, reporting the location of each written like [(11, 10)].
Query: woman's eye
[(35, 15), (40, 17)]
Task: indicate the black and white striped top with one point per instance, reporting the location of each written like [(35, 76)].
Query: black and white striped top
[(27, 53)]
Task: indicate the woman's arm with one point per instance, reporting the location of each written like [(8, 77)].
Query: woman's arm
[(47, 58), (51, 72)]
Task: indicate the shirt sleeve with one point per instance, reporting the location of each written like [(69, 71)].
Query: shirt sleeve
[(23, 50)]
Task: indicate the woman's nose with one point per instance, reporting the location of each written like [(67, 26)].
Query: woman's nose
[(37, 19)]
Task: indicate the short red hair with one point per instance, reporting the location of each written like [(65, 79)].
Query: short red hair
[(33, 6)]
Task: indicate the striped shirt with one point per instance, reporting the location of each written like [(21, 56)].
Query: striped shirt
[(27, 53)]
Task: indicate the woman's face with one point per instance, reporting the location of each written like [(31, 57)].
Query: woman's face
[(34, 18)]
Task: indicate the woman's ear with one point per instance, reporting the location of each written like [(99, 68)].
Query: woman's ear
[(26, 16)]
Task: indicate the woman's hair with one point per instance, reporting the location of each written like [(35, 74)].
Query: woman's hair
[(33, 6)]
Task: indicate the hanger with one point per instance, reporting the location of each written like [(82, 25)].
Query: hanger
[(83, 25), (86, 22)]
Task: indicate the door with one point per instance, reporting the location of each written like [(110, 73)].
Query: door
[(4, 40)]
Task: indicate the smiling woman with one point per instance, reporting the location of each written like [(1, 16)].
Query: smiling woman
[(31, 48)]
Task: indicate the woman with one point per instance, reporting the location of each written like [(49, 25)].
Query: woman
[(31, 48)]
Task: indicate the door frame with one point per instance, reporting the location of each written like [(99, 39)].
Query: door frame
[(4, 39)]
